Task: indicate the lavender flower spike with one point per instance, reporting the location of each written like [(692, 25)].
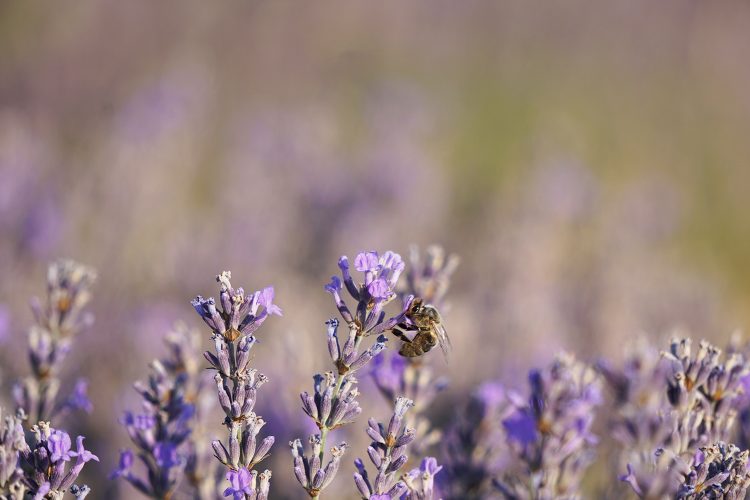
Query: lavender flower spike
[(58, 319), (333, 402), (549, 436), (48, 469), (233, 324), (162, 433), (387, 452), (372, 293)]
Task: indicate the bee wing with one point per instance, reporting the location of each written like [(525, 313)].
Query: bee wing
[(443, 340)]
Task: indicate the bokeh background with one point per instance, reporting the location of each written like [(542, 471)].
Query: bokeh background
[(588, 162)]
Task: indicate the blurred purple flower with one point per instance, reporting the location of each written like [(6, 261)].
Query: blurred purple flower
[(166, 455), (521, 427), (124, 465), (79, 399)]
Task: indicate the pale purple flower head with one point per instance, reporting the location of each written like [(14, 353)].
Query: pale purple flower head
[(521, 427), (82, 453), (372, 292), (59, 446), (239, 484), (240, 314)]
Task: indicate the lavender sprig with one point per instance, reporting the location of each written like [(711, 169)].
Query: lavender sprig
[(237, 384), (58, 319), (43, 468), (550, 436), (388, 453), (162, 433), (334, 399)]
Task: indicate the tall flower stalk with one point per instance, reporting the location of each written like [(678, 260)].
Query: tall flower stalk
[(233, 326), (163, 434), (333, 403), (59, 317)]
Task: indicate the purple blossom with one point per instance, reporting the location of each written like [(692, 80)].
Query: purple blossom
[(372, 293), (166, 455), (240, 314), (124, 465), (79, 399), (83, 454), (239, 484), (59, 446), (521, 427), (42, 465), (42, 491)]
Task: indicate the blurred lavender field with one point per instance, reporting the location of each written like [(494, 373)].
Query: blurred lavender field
[(587, 163)]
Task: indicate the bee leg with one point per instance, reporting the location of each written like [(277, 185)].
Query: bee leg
[(400, 332)]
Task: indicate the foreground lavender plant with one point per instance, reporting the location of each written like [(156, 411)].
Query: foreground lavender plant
[(334, 402), (716, 471), (58, 319), (40, 469), (162, 433), (388, 453), (233, 327)]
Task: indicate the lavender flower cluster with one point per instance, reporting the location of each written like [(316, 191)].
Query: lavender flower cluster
[(36, 459), (674, 416), (678, 416)]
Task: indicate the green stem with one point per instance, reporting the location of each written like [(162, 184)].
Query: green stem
[(324, 430)]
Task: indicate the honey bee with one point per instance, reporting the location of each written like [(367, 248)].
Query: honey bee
[(428, 327)]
